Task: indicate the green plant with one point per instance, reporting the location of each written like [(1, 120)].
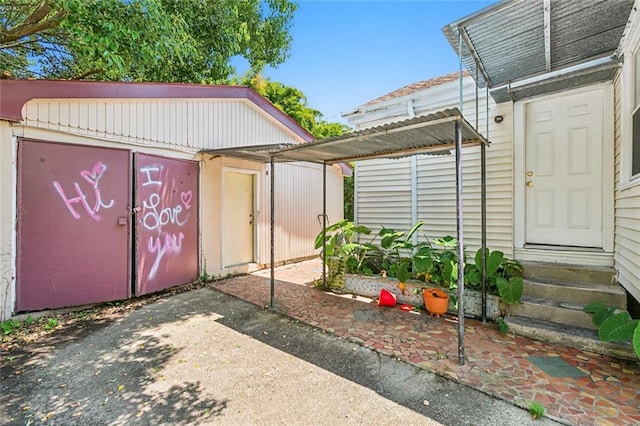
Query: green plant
[(9, 326), (205, 277), (339, 237), (615, 324), (337, 243), (51, 324), (503, 275), (503, 326), (536, 409)]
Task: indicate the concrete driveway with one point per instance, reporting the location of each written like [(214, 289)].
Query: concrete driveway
[(203, 357)]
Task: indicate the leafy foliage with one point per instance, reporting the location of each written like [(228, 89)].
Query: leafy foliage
[(142, 40), (615, 325), (536, 410), (397, 256), (293, 103)]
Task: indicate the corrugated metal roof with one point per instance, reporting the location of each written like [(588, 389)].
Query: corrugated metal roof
[(516, 39), (429, 134)]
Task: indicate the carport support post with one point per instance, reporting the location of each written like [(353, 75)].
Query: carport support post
[(460, 246), (272, 225), (324, 225)]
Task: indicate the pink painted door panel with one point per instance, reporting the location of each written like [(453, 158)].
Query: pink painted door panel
[(166, 222), (73, 225)]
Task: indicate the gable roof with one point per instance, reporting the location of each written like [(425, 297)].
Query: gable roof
[(14, 94), (417, 86)]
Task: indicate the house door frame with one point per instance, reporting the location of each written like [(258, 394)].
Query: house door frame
[(588, 256), (225, 232)]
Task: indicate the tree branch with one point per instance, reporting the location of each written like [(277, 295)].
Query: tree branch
[(35, 23), (87, 74)]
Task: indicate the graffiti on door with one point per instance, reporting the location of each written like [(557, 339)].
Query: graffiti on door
[(167, 226), (92, 177), (159, 212)]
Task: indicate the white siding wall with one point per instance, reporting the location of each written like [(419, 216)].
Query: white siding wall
[(185, 125), (383, 193), (298, 202), (627, 192), (7, 222)]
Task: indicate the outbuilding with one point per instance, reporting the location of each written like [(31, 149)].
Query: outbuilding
[(111, 190)]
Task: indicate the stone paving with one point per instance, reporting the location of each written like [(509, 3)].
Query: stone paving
[(607, 391)]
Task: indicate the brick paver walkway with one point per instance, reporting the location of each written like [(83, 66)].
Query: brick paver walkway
[(497, 364)]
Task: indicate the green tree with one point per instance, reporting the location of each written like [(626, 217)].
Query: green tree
[(293, 103), (142, 40)]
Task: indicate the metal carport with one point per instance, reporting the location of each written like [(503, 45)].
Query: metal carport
[(437, 133)]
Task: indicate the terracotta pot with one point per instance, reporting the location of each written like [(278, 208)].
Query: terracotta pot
[(436, 301)]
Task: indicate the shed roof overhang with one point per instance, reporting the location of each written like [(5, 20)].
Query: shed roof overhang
[(524, 48), (429, 134)]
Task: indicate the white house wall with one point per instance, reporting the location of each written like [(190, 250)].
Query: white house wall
[(383, 194), (7, 219), (298, 202), (179, 124), (627, 190)]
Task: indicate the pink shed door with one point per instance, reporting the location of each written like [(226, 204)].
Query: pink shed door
[(73, 225), (166, 222)]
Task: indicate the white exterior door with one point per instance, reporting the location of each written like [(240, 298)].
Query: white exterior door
[(238, 220), (563, 167)]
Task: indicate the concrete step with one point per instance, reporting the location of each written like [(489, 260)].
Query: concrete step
[(577, 293), (576, 337), (560, 312), (563, 273)]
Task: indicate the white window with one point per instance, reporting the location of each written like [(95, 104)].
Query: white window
[(635, 147)]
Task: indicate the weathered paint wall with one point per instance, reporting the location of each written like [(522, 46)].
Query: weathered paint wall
[(167, 205), (384, 187), (627, 189), (73, 225)]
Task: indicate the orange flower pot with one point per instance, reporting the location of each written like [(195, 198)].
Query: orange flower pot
[(436, 301)]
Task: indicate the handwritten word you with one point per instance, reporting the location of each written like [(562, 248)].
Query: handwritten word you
[(158, 212), (93, 178)]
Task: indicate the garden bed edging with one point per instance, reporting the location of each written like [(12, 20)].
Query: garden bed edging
[(370, 286)]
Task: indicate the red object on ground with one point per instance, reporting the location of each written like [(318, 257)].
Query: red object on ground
[(386, 298), (407, 308)]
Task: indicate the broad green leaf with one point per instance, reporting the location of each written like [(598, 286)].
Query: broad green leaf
[(361, 229), (601, 315), (422, 264), (447, 241), (414, 229), (617, 327), (493, 262), (510, 291), (403, 272), (636, 340), (594, 307)]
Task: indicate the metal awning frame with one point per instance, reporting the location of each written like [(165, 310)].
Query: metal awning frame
[(329, 151)]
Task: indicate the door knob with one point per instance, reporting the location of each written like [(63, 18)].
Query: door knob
[(529, 184)]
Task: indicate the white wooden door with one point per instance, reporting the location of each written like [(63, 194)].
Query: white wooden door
[(238, 220), (563, 167)]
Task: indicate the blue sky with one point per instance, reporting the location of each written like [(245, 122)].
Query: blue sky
[(346, 53)]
